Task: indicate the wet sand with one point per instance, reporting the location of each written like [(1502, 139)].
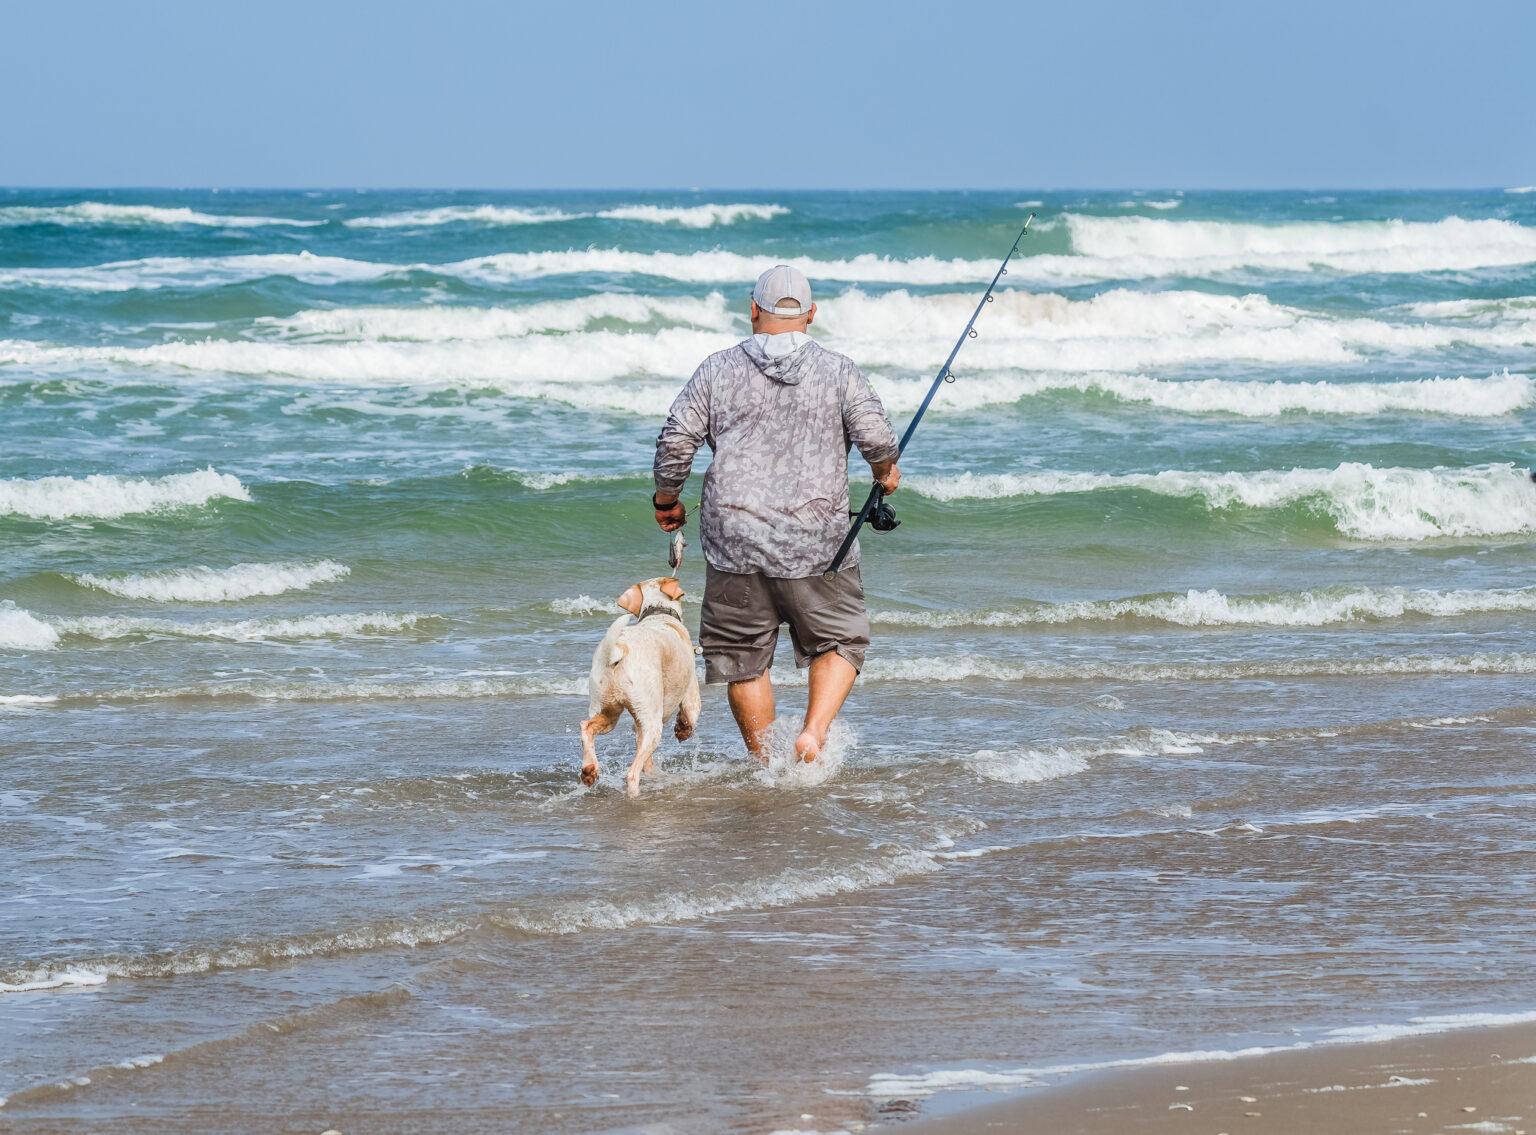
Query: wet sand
[(1477, 1080)]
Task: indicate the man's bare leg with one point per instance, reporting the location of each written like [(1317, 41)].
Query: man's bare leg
[(832, 678), (752, 706)]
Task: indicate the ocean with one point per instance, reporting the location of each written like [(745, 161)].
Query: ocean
[(1197, 715)]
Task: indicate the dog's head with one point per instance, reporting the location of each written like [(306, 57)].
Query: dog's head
[(664, 592)]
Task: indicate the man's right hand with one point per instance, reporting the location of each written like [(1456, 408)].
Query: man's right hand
[(887, 475), (671, 516)]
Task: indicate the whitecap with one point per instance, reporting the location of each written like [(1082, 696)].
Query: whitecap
[(22, 630), (1362, 501), (106, 497), (105, 213), (203, 584), (1208, 608), (694, 216), (106, 628)]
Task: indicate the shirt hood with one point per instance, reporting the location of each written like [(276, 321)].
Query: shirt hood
[(783, 357)]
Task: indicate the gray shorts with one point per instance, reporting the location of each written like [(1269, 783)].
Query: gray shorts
[(740, 625)]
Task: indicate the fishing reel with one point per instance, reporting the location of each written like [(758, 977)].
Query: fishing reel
[(882, 518)]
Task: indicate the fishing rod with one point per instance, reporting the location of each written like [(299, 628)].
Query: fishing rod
[(876, 513)]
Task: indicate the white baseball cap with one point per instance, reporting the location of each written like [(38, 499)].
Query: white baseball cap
[(781, 282)]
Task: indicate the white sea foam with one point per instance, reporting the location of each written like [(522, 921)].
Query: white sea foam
[(717, 266), (1144, 247), (107, 627), (1120, 330), (21, 630), (540, 365), (490, 215), (55, 979), (1035, 765), (105, 497), (790, 886), (689, 216), (199, 272), (712, 266), (241, 955), (581, 370), (584, 605), (1522, 189), (441, 323), (215, 585), (1030, 766), (1105, 248), (1211, 608), (966, 667), (25, 701), (1030, 345), (106, 213), (388, 689), (1362, 501), (694, 216), (886, 1085)]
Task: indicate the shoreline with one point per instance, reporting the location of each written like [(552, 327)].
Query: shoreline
[(1474, 1079)]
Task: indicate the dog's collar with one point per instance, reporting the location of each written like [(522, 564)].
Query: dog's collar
[(647, 612)]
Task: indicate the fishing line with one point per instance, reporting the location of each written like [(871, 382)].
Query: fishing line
[(876, 513)]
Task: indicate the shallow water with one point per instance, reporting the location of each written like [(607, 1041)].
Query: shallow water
[(1197, 715)]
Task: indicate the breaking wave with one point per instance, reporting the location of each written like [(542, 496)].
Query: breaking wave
[(1360, 500), (1034, 766), (105, 497), (105, 628), (963, 667), (694, 216), (496, 215), (714, 266), (21, 630), (1321, 607), (1143, 247), (103, 213), (688, 216), (440, 323), (215, 585)]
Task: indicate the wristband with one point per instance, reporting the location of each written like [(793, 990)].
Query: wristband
[(678, 503)]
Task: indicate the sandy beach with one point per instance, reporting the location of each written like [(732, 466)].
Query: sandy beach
[(1478, 1080)]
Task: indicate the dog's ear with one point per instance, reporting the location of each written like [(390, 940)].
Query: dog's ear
[(672, 589), (630, 600)]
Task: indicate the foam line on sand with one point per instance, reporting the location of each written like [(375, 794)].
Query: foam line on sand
[(1472, 1080)]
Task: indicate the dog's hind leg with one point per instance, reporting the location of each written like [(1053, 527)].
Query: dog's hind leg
[(595, 726), (648, 730), (687, 712)]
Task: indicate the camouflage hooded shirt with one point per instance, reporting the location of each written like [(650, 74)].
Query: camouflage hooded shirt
[(776, 493)]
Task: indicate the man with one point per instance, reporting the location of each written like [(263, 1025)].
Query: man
[(780, 414)]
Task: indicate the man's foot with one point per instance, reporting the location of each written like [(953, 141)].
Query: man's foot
[(807, 748)]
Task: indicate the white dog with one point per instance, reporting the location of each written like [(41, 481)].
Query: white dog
[(645, 667)]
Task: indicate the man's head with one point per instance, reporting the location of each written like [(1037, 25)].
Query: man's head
[(782, 301)]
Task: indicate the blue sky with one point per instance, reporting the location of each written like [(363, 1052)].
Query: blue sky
[(856, 95)]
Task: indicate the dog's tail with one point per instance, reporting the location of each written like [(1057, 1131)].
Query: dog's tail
[(610, 652)]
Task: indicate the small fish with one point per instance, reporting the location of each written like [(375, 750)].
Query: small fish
[(675, 552)]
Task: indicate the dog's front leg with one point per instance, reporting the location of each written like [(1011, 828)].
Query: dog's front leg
[(648, 730), (688, 711)]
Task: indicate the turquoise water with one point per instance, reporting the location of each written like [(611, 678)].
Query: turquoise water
[(1196, 714)]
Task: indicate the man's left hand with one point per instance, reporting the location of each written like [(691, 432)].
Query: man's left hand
[(670, 517)]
